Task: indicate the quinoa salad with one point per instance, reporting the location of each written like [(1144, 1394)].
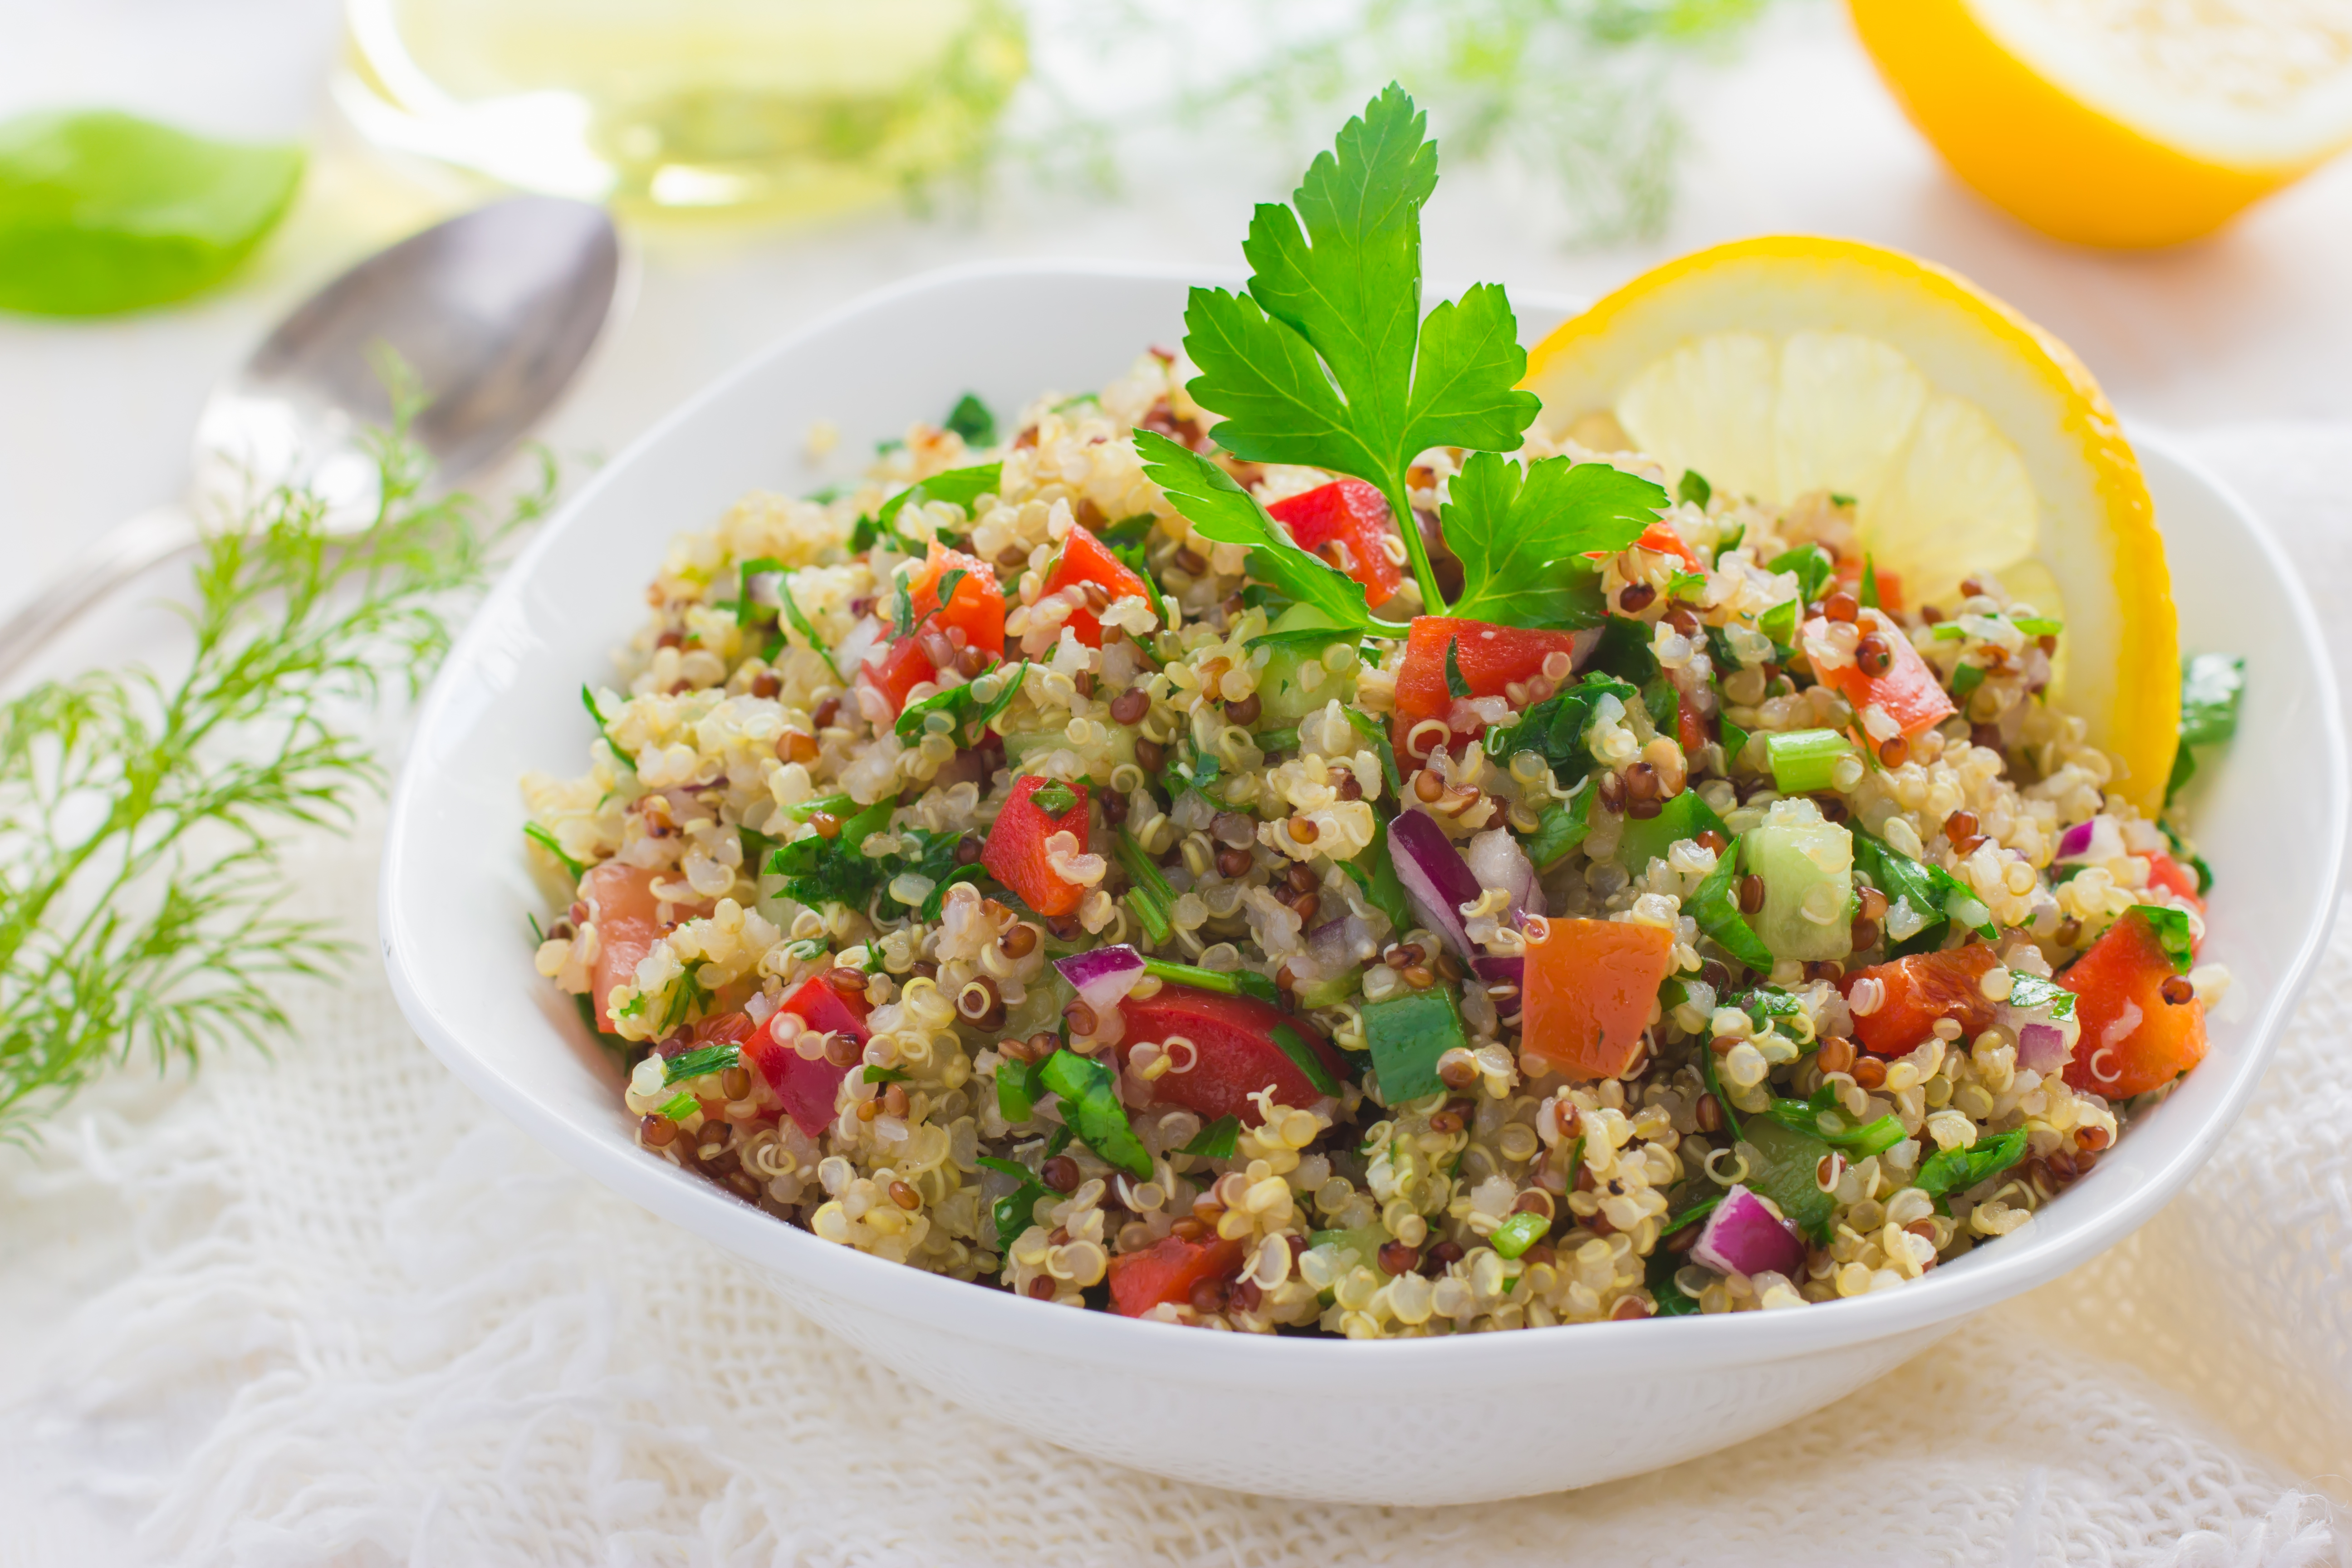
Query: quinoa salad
[(1102, 856)]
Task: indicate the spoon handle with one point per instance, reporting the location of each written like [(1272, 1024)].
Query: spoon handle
[(120, 555)]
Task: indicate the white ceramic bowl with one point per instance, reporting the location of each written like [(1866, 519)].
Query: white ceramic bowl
[(1493, 1414)]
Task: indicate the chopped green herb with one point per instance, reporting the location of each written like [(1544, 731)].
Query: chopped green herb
[(1017, 1210), (1837, 499), (2213, 685), (958, 487), (1821, 1118), (1407, 1035), (1302, 1056), (971, 420), (1715, 906), (1813, 566), (832, 805), (1217, 1141), (1372, 730), (680, 1107), (1306, 637), (547, 841), (1685, 584), (1780, 623), (1378, 882), (1693, 488), (1150, 895), (1672, 1301), (1271, 741), (2031, 994), (1691, 1216), (1456, 685), (1957, 1169), (1933, 894), (1055, 798), (684, 998), (1090, 1108), (2171, 930), (1870, 583), (1555, 728), (700, 1063), (1967, 678), (837, 870), (1561, 827), (969, 711), (1018, 1090)]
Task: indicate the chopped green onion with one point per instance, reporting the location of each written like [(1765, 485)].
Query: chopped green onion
[(1232, 982), (700, 1063), (1693, 488), (1870, 583), (1519, 1233), (1152, 897), (1454, 683), (681, 1107), (1276, 740), (832, 805), (1803, 760), (2040, 627), (1696, 1211)]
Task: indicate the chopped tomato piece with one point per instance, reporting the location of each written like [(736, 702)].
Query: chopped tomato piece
[(1353, 514), (898, 670), (1491, 659), (621, 904), (1890, 584), (807, 1089), (1909, 691), (1016, 855), (2132, 1040), (1086, 559), (1663, 537), (1236, 1054), (1592, 986), (1920, 989), (975, 604), (1170, 1270), (975, 608), (2164, 871)]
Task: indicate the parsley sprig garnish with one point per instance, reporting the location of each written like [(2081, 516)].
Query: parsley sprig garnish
[(1327, 361)]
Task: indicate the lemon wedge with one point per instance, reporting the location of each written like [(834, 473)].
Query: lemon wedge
[(2120, 123), (1971, 441)]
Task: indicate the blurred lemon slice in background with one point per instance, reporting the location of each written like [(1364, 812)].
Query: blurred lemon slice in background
[(2120, 123), (1970, 439)]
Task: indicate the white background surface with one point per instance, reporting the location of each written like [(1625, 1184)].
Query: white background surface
[(2244, 342)]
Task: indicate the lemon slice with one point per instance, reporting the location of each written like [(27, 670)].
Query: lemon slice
[(1971, 441), (2123, 123)]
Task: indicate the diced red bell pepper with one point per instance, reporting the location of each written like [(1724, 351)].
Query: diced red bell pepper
[(622, 903), (1351, 514), (807, 1089), (1909, 691), (2164, 871), (1662, 537), (1170, 1270), (1236, 1051), (1491, 658), (975, 606), (2132, 1040), (1919, 990), (1890, 584), (1015, 853), (1086, 559), (1590, 988)]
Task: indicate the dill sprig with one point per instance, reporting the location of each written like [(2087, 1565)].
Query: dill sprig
[(141, 818)]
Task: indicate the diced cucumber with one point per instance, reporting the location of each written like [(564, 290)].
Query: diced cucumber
[(1365, 1242), (1784, 1170), (1284, 701), (1807, 865), (1684, 816), (1022, 744)]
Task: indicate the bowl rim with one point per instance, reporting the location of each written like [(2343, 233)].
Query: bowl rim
[(993, 1316)]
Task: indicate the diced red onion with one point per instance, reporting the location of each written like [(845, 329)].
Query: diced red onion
[(1436, 881), (1331, 946), (1740, 1236), (1495, 858), (1104, 977), (2097, 839), (1512, 970), (2042, 1047)]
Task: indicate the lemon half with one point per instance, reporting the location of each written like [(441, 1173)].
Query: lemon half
[(2120, 123), (1970, 439)]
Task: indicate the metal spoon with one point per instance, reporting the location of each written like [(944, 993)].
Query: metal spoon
[(493, 312)]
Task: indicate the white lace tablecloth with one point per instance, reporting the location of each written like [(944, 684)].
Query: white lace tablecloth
[(327, 1309)]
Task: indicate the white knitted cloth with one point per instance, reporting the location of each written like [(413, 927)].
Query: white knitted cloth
[(360, 1320)]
